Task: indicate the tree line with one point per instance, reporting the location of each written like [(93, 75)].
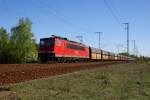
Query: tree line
[(19, 45)]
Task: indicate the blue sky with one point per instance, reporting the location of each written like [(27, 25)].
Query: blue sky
[(70, 18)]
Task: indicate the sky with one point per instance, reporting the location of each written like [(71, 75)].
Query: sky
[(72, 18)]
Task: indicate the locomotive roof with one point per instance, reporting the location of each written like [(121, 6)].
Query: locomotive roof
[(64, 38)]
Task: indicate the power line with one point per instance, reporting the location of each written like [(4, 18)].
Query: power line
[(60, 18), (114, 8), (112, 12)]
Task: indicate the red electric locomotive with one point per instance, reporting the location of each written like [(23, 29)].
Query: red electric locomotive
[(60, 49)]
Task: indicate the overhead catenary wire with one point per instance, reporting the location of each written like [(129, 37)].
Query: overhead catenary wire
[(115, 9), (112, 12), (58, 17), (115, 14)]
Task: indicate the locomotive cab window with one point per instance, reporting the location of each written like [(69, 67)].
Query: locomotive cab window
[(46, 42), (42, 42)]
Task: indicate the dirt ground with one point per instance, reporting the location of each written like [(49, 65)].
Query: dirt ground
[(15, 73)]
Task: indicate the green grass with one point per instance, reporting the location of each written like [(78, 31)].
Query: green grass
[(118, 82)]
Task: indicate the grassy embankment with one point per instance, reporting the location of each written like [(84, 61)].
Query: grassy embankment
[(118, 82)]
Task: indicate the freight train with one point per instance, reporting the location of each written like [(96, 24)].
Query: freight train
[(61, 49)]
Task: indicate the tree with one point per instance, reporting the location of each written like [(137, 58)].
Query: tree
[(4, 41), (124, 53), (22, 42)]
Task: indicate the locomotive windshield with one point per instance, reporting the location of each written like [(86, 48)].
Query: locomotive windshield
[(46, 42)]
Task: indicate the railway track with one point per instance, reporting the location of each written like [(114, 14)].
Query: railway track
[(16, 73)]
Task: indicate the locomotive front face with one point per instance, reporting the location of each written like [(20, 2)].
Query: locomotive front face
[(46, 49)]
